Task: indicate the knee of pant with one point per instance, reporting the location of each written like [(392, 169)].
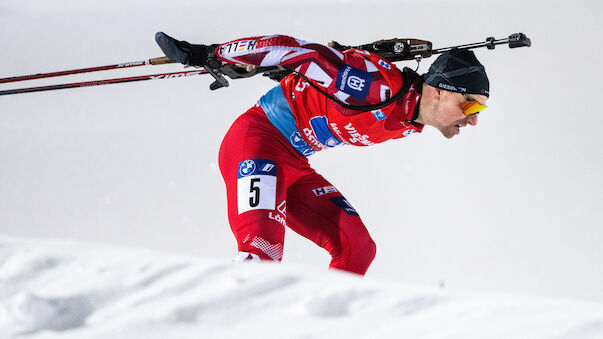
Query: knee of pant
[(362, 250), (364, 256), (354, 258), (369, 251)]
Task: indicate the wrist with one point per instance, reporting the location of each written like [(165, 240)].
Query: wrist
[(203, 55)]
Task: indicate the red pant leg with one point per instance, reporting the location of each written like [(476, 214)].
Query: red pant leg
[(258, 165), (317, 211)]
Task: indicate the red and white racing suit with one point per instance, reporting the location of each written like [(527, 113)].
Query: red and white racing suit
[(263, 156)]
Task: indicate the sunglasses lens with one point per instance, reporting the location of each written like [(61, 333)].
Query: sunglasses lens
[(472, 107)]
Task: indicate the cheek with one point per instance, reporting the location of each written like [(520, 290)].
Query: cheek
[(451, 113)]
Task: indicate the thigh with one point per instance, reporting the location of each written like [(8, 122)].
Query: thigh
[(257, 167), (318, 211), (257, 164)]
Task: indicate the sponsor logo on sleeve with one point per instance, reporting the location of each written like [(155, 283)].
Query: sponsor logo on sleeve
[(237, 46), (384, 64), (342, 203), (379, 115), (354, 81), (324, 190)]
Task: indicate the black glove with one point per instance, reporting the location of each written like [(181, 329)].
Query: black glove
[(186, 53)]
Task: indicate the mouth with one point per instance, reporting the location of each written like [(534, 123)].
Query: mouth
[(457, 128)]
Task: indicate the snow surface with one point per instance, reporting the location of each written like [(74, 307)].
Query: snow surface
[(60, 289)]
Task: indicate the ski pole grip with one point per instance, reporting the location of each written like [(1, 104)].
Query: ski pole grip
[(161, 61), (519, 40)]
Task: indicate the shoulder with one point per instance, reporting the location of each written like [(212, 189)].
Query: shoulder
[(356, 55), (372, 63)]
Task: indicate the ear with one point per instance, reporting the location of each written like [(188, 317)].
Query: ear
[(431, 94), (437, 94)]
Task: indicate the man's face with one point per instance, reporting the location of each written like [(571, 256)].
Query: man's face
[(449, 117)]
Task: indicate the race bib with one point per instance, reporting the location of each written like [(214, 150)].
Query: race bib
[(256, 185)]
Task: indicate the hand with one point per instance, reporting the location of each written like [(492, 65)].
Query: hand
[(186, 53)]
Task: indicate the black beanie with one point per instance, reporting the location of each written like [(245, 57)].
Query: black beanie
[(458, 70)]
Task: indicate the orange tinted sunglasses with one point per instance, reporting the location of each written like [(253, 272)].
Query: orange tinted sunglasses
[(471, 106)]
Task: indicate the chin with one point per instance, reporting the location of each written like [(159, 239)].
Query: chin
[(448, 134)]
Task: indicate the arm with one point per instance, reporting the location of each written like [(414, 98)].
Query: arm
[(317, 62), (281, 50), (354, 83)]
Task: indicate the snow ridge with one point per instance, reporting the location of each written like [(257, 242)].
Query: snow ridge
[(60, 289)]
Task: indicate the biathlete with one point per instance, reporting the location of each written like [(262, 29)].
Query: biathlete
[(332, 98)]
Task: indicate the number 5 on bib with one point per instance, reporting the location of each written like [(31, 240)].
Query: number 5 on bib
[(256, 185)]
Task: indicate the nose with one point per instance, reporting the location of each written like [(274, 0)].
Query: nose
[(472, 119)]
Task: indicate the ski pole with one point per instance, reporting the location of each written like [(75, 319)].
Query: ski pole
[(153, 61), (103, 82)]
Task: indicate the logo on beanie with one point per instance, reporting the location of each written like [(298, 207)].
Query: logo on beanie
[(451, 88)]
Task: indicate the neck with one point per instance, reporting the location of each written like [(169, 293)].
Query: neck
[(425, 105)]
